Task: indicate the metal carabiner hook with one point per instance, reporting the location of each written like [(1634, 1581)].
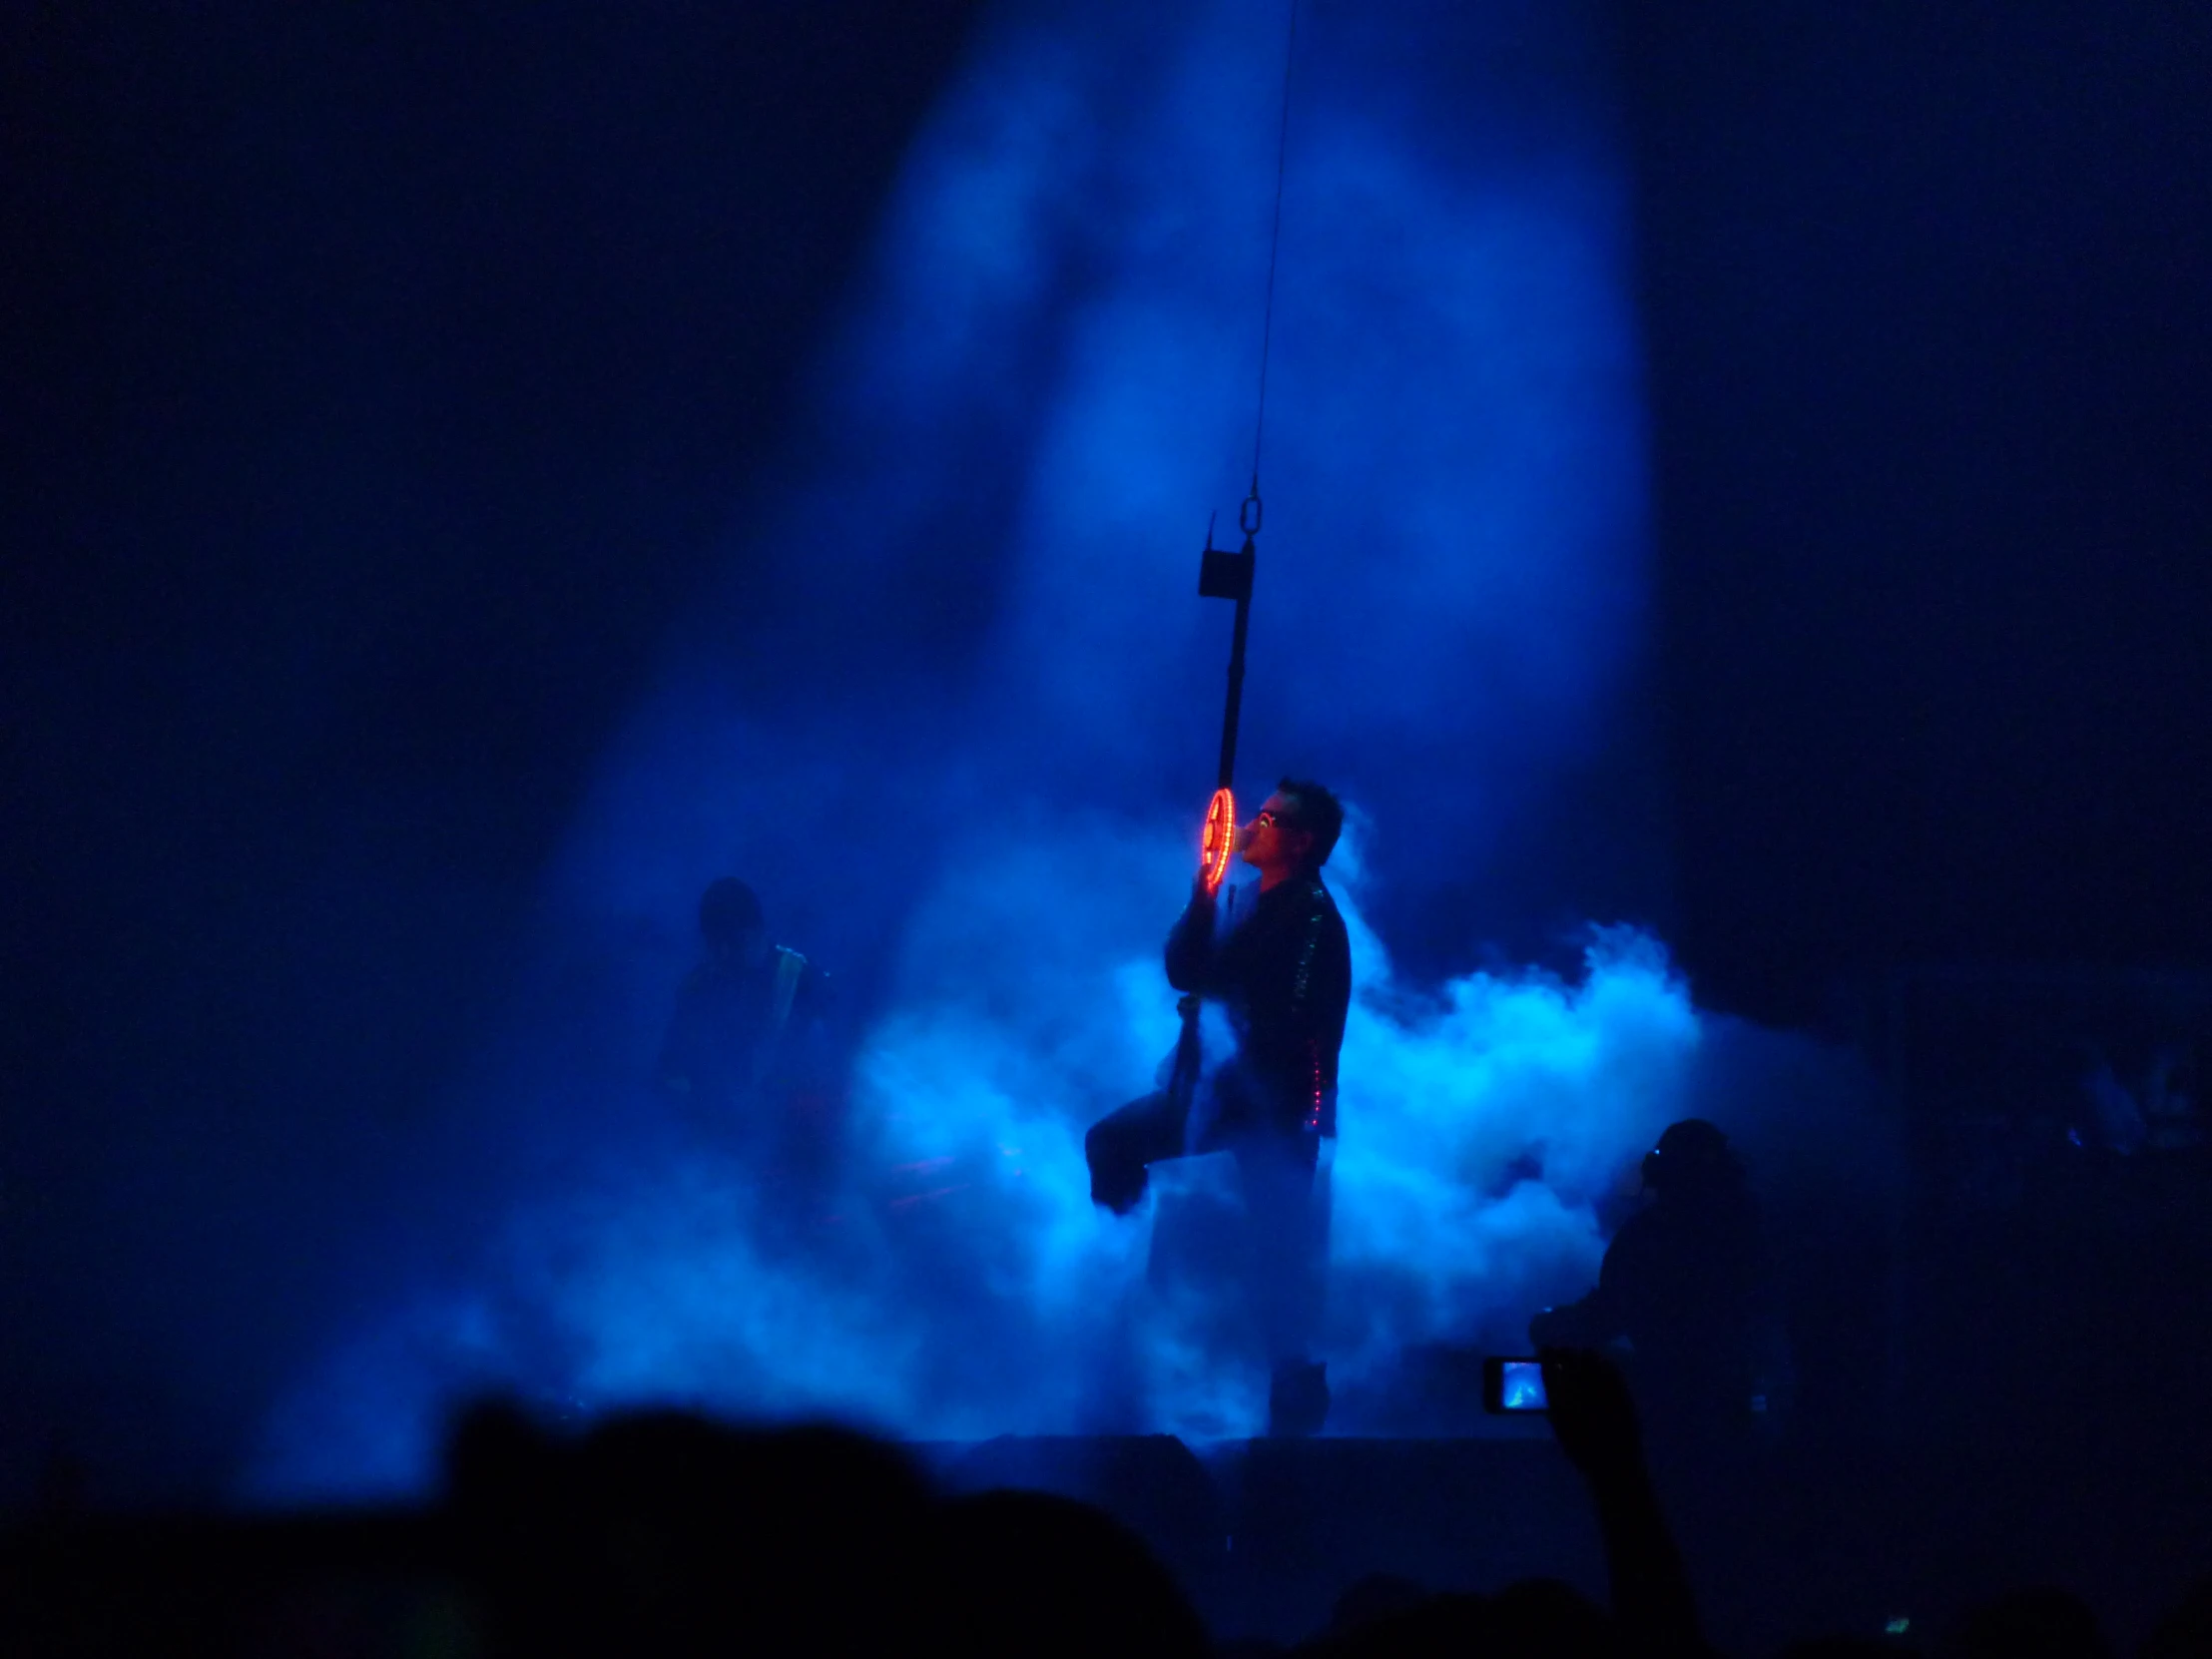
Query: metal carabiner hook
[(1250, 514)]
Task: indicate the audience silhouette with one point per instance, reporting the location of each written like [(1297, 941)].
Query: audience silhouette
[(664, 1533)]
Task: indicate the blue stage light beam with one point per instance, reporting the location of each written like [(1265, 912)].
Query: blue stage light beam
[(968, 735)]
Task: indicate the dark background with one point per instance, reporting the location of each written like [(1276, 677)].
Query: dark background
[(1925, 292), (379, 384)]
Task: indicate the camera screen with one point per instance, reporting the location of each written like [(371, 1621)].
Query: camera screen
[(1521, 1387)]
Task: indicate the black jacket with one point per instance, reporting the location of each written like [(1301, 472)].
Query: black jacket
[(1280, 966), (726, 1047), (1688, 1284)]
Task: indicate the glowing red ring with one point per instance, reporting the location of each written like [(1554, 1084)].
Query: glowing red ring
[(1219, 840)]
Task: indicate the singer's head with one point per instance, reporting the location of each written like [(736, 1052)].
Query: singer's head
[(1294, 830)]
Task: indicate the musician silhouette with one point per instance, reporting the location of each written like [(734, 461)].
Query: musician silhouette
[(746, 1056)]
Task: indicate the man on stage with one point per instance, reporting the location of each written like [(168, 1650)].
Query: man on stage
[(1279, 965), (746, 1057)]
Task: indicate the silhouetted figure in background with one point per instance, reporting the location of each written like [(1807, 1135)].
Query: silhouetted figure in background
[(747, 1053), (665, 1533), (1686, 1290), (1280, 966), (1035, 1573)]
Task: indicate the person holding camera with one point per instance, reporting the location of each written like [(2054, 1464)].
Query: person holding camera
[(1685, 1294)]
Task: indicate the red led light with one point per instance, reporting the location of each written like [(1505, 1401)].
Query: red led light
[(1219, 840)]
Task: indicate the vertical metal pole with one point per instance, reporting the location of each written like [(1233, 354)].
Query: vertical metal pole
[(1234, 705)]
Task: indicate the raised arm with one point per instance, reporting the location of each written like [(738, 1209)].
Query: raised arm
[(1654, 1611)]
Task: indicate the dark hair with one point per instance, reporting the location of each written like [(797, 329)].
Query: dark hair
[(1318, 813), (727, 908), (1693, 1154)]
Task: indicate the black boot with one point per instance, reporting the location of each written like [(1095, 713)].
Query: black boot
[(1297, 1399), (1118, 1179), (1119, 1187)]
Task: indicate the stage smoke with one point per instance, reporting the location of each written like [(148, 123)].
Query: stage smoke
[(956, 724)]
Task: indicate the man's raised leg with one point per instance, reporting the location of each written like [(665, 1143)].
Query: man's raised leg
[(1124, 1141)]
